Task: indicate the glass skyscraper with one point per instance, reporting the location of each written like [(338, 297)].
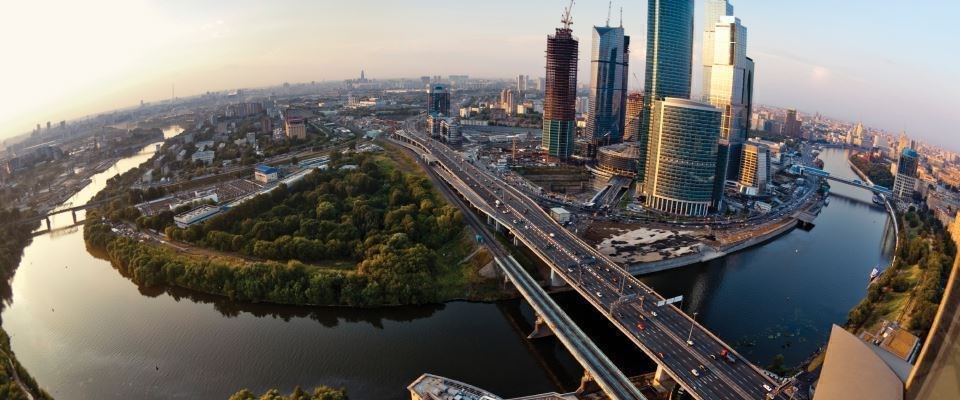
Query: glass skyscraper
[(608, 85), (715, 10), (683, 157), (728, 84), (669, 58)]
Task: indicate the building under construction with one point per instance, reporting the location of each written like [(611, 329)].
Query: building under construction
[(560, 95)]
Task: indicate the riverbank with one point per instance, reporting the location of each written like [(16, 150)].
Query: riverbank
[(15, 382)]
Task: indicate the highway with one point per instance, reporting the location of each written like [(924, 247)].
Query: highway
[(661, 332)]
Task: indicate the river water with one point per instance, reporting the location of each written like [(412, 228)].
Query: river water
[(84, 331)]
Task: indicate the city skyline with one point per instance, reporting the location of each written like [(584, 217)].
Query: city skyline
[(83, 67)]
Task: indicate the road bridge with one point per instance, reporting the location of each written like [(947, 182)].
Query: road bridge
[(684, 351), (803, 170)]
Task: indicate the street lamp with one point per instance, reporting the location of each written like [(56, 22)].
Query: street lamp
[(690, 335)]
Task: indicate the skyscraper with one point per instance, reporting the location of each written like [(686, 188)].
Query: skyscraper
[(715, 10), (669, 55), (906, 180), (608, 85), (560, 96), (631, 130), (682, 157), (791, 125), (728, 82), (521, 84), (438, 99)]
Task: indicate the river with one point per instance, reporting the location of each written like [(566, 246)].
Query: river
[(84, 331)]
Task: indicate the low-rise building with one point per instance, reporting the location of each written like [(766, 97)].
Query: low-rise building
[(560, 214), (195, 216), (266, 174), (205, 156)]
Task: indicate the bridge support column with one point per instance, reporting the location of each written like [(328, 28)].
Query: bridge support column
[(74, 214), (587, 384), (555, 279), (515, 241), (48, 222), (662, 382), (540, 329)]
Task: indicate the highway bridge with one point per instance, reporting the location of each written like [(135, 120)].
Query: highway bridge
[(803, 170), (72, 210), (684, 351)]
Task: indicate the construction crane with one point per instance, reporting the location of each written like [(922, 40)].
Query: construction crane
[(567, 18)]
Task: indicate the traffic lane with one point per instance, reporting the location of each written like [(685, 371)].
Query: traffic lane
[(608, 288)]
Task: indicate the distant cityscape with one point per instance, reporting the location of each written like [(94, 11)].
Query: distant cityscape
[(368, 192)]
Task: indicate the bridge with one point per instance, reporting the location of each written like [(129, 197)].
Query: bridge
[(804, 170), (677, 343), (72, 210)]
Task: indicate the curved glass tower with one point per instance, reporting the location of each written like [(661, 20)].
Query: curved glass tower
[(683, 157)]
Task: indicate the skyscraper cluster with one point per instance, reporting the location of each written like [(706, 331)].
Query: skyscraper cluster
[(686, 149)]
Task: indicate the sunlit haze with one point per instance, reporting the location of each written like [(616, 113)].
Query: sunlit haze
[(891, 64)]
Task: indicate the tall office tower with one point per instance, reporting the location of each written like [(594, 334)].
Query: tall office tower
[(560, 96), (608, 85), (438, 99), (906, 180), (715, 10), (682, 157), (669, 57), (508, 100), (631, 126), (521, 84), (541, 84), (791, 125), (755, 167), (729, 84)]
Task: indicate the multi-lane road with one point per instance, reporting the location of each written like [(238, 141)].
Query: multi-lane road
[(661, 332)]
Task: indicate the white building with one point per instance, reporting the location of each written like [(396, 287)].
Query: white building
[(205, 156)]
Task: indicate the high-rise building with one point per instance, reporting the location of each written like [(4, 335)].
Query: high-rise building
[(608, 85), (560, 96), (669, 57), (438, 99), (755, 166), (508, 100), (715, 10), (631, 126), (906, 180), (791, 124), (682, 157), (903, 143), (295, 128), (521, 84), (728, 81)]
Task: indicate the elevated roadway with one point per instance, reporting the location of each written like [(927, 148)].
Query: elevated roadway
[(684, 351)]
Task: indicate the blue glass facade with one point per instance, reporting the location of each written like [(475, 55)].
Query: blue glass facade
[(608, 85), (669, 57)]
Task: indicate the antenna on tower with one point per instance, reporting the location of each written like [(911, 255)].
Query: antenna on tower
[(567, 19), (609, 6), (621, 16)]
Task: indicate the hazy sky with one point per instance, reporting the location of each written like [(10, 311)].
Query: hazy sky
[(893, 64)]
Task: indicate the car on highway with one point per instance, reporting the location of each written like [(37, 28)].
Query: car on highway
[(641, 326), (767, 387), (694, 372)]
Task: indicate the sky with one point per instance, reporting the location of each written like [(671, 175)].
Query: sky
[(891, 64)]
